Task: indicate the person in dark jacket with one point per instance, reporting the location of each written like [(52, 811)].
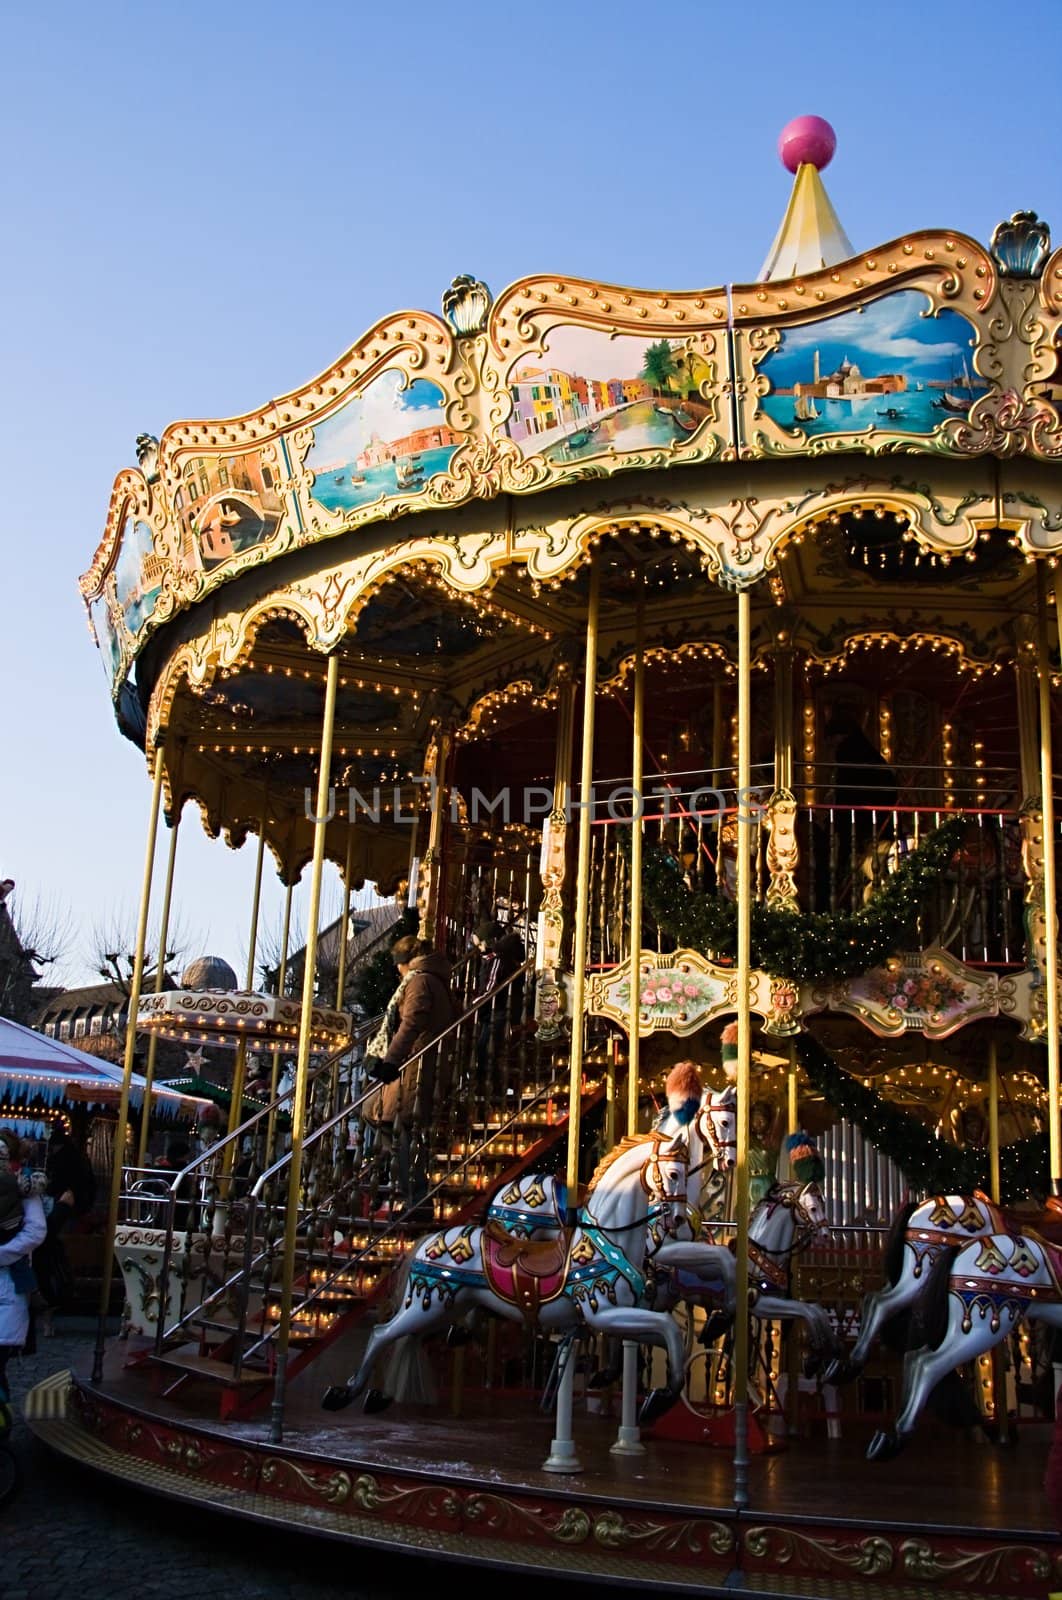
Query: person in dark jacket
[(862, 776), (864, 796), (501, 955), (410, 1071), (71, 1185)]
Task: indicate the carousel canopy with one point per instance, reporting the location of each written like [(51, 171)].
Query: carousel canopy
[(36, 1070), (225, 1018)]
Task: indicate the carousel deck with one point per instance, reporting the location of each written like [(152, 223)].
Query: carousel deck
[(822, 1522)]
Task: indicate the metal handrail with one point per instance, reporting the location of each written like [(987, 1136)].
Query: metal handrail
[(328, 1126), (391, 1231), (359, 1036), (432, 1044)]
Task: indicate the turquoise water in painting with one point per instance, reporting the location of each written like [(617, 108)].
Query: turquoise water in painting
[(915, 407), (636, 427), (136, 612), (336, 491)]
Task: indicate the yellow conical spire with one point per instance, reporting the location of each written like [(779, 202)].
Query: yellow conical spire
[(811, 236)]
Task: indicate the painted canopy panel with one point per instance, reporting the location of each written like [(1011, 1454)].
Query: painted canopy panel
[(921, 347), (889, 366), (383, 444)]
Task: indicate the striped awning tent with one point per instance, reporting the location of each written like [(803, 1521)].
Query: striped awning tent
[(38, 1072)]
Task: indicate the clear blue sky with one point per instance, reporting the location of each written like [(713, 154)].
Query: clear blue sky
[(203, 205)]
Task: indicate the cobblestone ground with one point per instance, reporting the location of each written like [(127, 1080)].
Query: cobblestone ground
[(71, 1536)]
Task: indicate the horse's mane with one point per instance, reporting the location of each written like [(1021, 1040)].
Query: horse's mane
[(628, 1142)]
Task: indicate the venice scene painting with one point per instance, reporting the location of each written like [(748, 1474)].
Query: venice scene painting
[(888, 365), (225, 506), (137, 574), (590, 393), (388, 441), (106, 636)]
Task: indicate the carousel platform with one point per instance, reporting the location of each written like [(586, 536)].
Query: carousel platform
[(822, 1524)]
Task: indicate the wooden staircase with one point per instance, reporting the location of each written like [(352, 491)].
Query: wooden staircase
[(345, 1275)]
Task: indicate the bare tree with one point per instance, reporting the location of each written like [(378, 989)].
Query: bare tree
[(112, 948), (270, 949), (34, 933)]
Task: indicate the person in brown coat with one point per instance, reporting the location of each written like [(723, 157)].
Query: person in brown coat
[(420, 1010)]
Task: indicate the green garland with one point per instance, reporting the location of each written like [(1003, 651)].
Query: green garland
[(930, 1165), (801, 946)]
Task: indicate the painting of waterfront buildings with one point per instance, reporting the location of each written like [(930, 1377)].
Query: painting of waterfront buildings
[(137, 574), (590, 393), (888, 365), (388, 441), (225, 505)]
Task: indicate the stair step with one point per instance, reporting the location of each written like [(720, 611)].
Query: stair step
[(231, 1328), (349, 1295), (209, 1367)]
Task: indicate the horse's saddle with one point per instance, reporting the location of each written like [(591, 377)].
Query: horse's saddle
[(1046, 1226), (524, 1272)]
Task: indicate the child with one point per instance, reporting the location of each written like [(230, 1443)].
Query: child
[(22, 1229)]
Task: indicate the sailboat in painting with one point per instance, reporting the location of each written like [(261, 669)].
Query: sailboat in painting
[(804, 408), (952, 401)]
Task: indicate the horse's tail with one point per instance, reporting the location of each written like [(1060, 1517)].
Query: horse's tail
[(929, 1320), (894, 1244), (400, 1283)]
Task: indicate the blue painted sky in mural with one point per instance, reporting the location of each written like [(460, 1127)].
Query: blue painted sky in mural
[(890, 335), (616, 142), (385, 408)]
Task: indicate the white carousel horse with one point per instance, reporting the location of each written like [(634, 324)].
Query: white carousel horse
[(783, 1223), (712, 1141), (975, 1298), (592, 1274), (533, 1206), (920, 1232)]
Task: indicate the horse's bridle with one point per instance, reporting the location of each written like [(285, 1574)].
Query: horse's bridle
[(660, 1200), (706, 1127), (791, 1197)]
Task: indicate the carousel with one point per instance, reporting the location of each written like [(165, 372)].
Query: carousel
[(684, 664)]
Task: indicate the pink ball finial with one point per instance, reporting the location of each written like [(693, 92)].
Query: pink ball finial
[(807, 139)]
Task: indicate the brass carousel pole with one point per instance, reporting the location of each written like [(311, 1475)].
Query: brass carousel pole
[(744, 1056), (239, 1071), (582, 890), (792, 1113), (562, 1456), (302, 1064), (792, 1391), (282, 974), (998, 1360), (341, 965), (1047, 801), (133, 1006), (628, 1437), (344, 931), (993, 1121), (160, 979), (637, 835)]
